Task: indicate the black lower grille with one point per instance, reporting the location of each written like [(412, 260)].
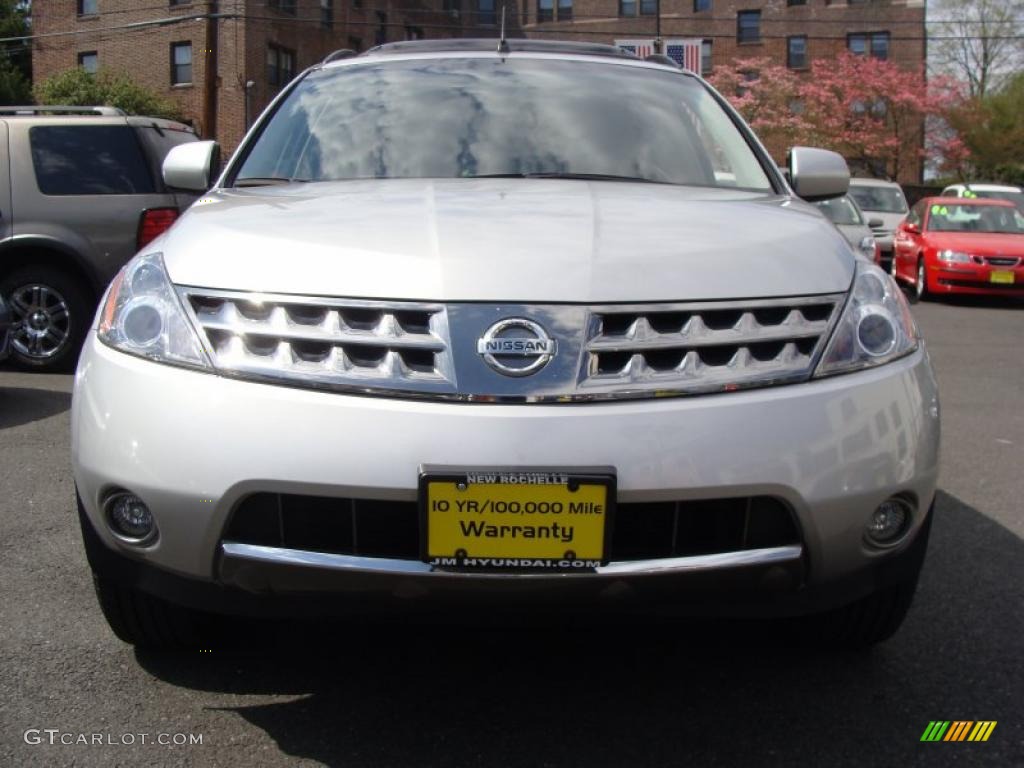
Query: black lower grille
[(982, 284), (642, 531)]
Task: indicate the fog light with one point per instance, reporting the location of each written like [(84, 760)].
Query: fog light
[(130, 518), (889, 522)]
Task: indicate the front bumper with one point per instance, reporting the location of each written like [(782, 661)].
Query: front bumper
[(192, 445), (975, 279)]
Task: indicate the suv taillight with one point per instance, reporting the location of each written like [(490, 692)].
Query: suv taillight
[(154, 222)]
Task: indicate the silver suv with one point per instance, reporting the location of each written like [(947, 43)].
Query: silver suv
[(541, 324), (80, 193)]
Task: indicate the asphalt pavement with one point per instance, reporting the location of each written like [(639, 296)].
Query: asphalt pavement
[(430, 694)]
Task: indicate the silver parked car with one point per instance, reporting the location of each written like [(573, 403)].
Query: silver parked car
[(885, 205), (848, 218), (80, 192), (461, 323)]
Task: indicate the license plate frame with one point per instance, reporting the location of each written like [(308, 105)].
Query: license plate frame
[(560, 479), (1002, 277)]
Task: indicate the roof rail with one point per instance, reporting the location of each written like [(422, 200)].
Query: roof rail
[(515, 45), (47, 109), (344, 53), (660, 58)]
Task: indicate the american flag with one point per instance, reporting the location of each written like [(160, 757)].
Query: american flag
[(685, 52)]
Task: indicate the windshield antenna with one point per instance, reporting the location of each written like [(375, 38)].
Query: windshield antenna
[(502, 44)]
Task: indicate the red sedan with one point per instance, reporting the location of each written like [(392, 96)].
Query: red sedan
[(950, 245)]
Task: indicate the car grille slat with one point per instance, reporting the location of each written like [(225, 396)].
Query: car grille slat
[(717, 347), (400, 346)]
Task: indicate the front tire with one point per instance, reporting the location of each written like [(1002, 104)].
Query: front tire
[(51, 313), (921, 284), (146, 621)]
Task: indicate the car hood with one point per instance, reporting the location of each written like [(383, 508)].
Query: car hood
[(854, 233), (509, 240), (980, 243)]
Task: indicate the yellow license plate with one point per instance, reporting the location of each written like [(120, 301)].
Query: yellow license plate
[(1005, 278), (516, 518)]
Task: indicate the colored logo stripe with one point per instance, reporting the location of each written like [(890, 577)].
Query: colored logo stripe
[(958, 730)]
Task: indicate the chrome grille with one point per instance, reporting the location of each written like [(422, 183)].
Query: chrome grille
[(1002, 261), (373, 345), (708, 347), (422, 349)]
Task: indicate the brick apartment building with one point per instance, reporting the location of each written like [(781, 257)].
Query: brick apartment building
[(167, 44)]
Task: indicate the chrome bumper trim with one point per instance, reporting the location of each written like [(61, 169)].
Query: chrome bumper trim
[(296, 557)]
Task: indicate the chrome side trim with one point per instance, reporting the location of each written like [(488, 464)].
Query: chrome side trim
[(322, 560)]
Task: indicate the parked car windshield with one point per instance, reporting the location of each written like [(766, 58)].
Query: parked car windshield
[(478, 117), (1017, 198), (881, 199), (975, 218), (840, 211)]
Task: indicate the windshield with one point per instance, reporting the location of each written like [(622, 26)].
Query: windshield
[(840, 211), (880, 199), (1017, 198), (975, 218), (475, 117)]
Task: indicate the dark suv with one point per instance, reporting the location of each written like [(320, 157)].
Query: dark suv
[(80, 193)]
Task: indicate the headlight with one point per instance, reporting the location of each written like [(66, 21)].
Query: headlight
[(867, 247), (142, 316), (876, 326), (956, 257)]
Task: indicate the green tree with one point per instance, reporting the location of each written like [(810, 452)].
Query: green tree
[(16, 55), (992, 128), (76, 87)]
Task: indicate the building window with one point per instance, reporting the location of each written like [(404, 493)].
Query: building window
[(355, 44), (87, 7), (450, 6), (627, 7), (181, 63), (705, 57), (89, 61), (701, 5), (284, 6), (796, 2), (863, 43), (413, 33), (357, 4), (485, 12), (796, 52), (327, 13), (180, 2), (565, 10), (648, 7), (748, 27), (280, 65), (880, 45), (381, 35), (545, 10)]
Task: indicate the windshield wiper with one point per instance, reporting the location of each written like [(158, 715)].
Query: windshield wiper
[(265, 181), (560, 175)]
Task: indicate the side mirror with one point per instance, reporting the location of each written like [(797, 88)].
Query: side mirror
[(192, 166), (875, 223), (818, 174), (911, 228)]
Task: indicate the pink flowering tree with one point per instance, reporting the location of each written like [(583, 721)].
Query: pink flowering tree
[(871, 111)]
